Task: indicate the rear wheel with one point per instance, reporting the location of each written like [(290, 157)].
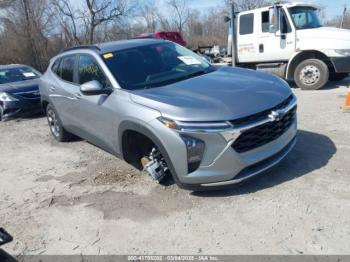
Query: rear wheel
[(338, 76), (311, 74), (56, 128)]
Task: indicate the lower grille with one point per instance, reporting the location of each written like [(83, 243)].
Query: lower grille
[(264, 134)]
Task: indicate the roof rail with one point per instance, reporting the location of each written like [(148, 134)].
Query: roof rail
[(92, 47)]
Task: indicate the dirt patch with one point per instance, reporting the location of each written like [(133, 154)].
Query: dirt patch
[(105, 172), (160, 202)]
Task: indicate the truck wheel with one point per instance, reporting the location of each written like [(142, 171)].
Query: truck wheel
[(338, 76), (311, 74), (56, 128)]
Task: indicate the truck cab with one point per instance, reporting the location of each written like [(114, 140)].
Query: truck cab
[(290, 41)]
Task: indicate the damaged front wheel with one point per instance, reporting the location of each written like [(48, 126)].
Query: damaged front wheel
[(154, 165)]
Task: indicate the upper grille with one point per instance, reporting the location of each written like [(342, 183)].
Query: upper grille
[(264, 134), (261, 115)]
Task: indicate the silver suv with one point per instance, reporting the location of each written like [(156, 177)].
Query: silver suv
[(165, 110)]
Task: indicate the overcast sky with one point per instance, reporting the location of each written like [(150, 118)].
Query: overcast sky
[(332, 7)]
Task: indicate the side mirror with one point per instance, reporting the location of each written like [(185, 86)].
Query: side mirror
[(93, 87), (227, 19), (273, 19)]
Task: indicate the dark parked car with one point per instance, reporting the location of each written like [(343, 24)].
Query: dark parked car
[(19, 91)]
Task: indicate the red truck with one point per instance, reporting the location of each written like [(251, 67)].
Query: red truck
[(171, 36)]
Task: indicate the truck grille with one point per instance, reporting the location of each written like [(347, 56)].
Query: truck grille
[(265, 133)]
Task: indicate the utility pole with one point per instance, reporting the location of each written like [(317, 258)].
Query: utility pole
[(343, 17), (233, 52)]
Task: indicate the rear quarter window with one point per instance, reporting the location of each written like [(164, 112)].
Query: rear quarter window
[(55, 68), (246, 24), (67, 68)]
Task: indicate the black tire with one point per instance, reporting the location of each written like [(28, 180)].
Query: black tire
[(55, 125), (311, 74), (338, 76)]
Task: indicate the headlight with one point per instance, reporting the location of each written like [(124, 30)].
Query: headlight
[(196, 126), (5, 97), (343, 52)]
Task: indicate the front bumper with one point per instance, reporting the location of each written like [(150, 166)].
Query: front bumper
[(231, 167), (21, 108), (222, 164), (341, 64)]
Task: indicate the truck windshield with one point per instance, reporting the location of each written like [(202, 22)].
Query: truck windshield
[(305, 17), (155, 65)]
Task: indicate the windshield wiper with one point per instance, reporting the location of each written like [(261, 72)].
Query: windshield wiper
[(170, 81)]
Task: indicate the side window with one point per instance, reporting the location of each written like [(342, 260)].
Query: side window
[(89, 70), (246, 24), (56, 67), (67, 68), (265, 23), (284, 23)]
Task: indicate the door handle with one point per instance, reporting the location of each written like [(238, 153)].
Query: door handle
[(261, 48), (52, 88)]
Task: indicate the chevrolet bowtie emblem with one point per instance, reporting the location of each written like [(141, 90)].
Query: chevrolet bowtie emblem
[(276, 115)]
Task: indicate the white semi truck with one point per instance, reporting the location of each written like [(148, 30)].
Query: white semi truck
[(289, 40)]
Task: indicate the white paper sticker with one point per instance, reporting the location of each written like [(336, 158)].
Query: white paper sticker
[(189, 60), (29, 74)]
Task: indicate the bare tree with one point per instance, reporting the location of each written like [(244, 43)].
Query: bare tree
[(150, 15), (25, 24), (103, 11), (180, 13), (67, 18), (5, 3), (243, 5), (207, 29)]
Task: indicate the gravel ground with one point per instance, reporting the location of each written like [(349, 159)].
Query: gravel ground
[(73, 198)]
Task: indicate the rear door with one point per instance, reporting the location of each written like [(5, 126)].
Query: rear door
[(64, 91)]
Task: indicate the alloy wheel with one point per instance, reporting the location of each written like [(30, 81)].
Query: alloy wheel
[(53, 122)]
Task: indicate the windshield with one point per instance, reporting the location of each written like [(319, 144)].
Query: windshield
[(305, 17), (155, 65), (16, 74)]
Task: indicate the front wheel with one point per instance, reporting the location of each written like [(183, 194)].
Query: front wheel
[(56, 128), (311, 74)]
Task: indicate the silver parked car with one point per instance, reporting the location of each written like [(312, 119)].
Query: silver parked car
[(166, 110)]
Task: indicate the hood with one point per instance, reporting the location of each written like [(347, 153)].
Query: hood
[(19, 87), (326, 38), (225, 94)]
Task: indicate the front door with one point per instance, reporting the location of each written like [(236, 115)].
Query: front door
[(97, 120)]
